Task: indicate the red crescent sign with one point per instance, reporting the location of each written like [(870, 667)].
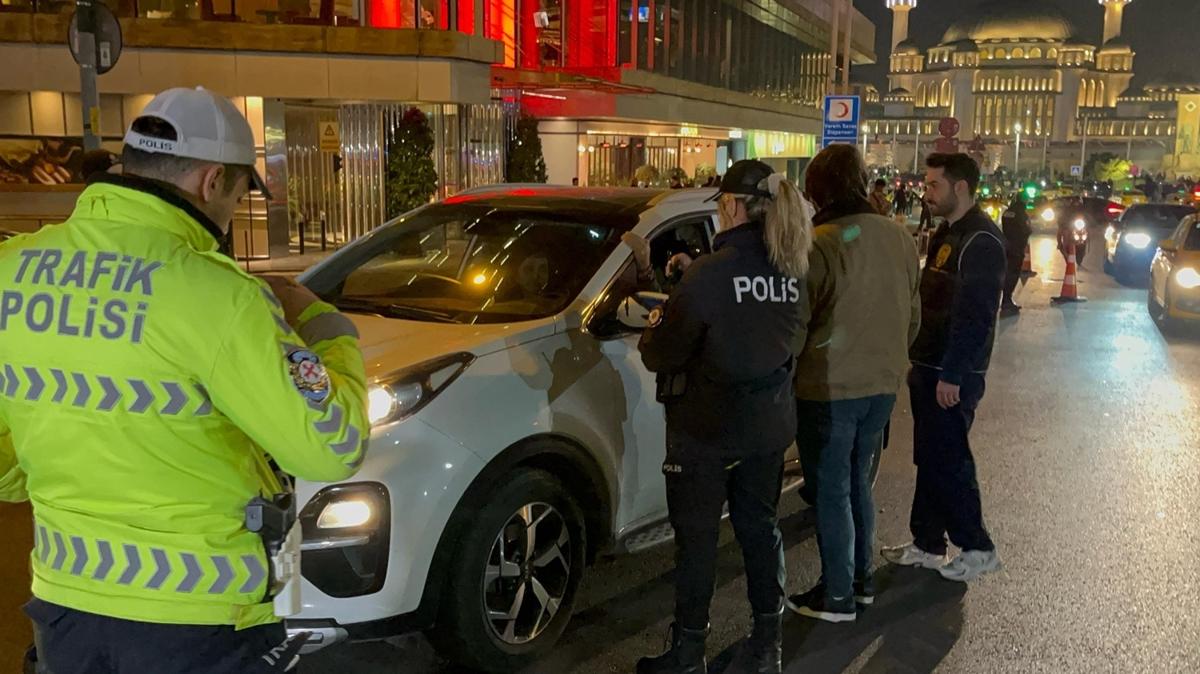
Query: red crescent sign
[(845, 109)]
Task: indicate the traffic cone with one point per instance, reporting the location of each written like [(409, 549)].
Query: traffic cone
[(1027, 271), (1070, 291)]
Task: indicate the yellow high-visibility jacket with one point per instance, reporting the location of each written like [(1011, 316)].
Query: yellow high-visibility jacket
[(145, 383)]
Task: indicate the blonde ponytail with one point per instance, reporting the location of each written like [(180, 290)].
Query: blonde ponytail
[(788, 230)]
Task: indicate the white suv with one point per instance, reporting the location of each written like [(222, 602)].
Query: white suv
[(516, 431)]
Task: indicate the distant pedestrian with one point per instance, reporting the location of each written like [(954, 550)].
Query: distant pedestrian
[(879, 198), (864, 311), (900, 200), (926, 214), (1016, 235), (960, 297), (574, 182)]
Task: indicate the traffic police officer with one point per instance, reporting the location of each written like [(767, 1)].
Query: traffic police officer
[(723, 347), (149, 390)]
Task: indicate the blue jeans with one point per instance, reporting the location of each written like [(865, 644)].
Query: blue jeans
[(838, 442)]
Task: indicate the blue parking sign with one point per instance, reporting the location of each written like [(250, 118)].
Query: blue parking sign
[(840, 120)]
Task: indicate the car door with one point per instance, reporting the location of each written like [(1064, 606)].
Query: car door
[(642, 489), (1164, 261)]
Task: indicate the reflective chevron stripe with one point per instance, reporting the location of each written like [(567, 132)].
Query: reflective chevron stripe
[(327, 326), (104, 393), (149, 568)]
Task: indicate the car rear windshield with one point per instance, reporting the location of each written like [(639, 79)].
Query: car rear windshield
[(1155, 216), (466, 264)]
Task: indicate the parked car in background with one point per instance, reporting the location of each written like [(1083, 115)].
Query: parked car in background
[(1174, 295), (1132, 241)]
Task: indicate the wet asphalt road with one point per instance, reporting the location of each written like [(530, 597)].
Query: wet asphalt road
[(1089, 458)]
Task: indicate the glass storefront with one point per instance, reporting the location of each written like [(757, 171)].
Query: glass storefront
[(647, 161), (351, 200)]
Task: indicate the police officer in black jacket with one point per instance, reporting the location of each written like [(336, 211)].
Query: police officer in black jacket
[(960, 297), (723, 347)]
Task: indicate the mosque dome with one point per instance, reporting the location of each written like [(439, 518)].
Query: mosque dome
[(1011, 19)]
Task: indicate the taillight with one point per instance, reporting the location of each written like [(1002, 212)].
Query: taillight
[(1115, 209)]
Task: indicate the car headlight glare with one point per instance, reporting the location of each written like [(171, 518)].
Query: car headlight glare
[(1139, 240), (1048, 215), (1188, 278), (402, 394), (345, 514), (1080, 224)]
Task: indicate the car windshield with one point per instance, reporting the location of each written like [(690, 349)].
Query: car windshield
[(466, 263), (1155, 216), (1193, 236)]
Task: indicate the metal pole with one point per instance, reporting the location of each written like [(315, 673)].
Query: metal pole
[(1083, 149), (89, 96), (846, 48), (831, 79), (1045, 151), (864, 135), (917, 148), (1017, 157)]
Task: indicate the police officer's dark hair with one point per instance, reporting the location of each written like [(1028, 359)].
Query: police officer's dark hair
[(837, 175), (168, 168), (958, 166)]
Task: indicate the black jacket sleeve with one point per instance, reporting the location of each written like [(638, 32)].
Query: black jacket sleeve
[(671, 346), (981, 277)]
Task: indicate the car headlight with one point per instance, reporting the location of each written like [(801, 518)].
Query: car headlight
[(1048, 215), (1080, 224), (345, 514), (1139, 240), (402, 394), (1188, 278)]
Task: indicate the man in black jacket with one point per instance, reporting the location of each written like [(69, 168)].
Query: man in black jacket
[(960, 296), (1016, 234)]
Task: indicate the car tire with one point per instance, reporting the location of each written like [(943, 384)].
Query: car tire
[(1158, 312), (492, 573)]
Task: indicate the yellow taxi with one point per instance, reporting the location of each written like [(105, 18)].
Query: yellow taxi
[(1131, 198), (1175, 276)]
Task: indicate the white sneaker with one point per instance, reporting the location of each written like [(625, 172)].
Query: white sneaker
[(971, 564), (910, 555)]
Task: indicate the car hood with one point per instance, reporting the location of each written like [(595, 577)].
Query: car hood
[(390, 344)]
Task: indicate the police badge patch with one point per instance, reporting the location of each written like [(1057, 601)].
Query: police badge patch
[(655, 317), (309, 375), (943, 256)]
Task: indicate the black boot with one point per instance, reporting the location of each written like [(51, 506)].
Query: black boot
[(685, 657), (763, 651)]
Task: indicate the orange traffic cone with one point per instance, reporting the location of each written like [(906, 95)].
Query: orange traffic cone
[(1027, 271), (1070, 291)]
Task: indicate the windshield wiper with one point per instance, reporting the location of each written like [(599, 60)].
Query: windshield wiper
[(390, 310)]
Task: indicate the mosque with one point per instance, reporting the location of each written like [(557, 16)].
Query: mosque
[(1019, 70)]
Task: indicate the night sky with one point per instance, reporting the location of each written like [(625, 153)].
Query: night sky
[(1165, 33)]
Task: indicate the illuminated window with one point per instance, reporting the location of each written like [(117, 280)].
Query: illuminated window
[(1035, 53), (1052, 54), (1018, 53), (1001, 53)]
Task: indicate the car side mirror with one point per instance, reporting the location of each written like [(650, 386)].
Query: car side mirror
[(636, 310)]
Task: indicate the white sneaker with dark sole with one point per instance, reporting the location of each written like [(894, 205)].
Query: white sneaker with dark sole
[(971, 564), (911, 555)]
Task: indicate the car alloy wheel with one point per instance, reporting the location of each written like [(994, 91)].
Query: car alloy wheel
[(527, 574)]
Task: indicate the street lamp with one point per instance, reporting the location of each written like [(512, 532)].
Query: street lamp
[(1017, 151)]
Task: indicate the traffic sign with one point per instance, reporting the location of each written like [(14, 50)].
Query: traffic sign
[(1076, 171), (109, 40), (331, 137), (840, 120)]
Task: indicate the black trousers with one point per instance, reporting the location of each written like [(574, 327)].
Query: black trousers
[(699, 482), (946, 499), (1012, 277), (75, 642)]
